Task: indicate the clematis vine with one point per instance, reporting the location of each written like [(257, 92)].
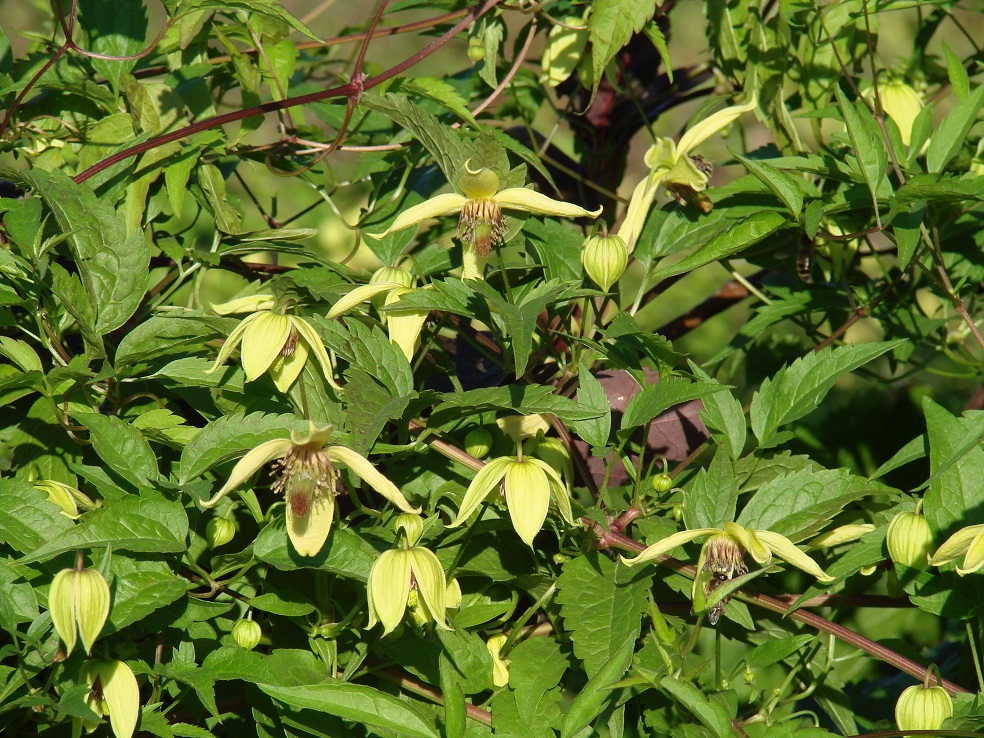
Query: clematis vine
[(967, 542), (390, 284), (672, 166), (307, 480), (481, 224), (273, 341), (722, 558)]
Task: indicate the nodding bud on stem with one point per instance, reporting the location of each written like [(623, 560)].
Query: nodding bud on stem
[(604, 259), (247, 633), (79, 605), (909, 540), (923, 708)]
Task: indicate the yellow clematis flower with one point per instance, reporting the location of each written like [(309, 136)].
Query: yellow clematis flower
[(500, 666), (722, 558), (114, 691), (528, 485), (307, 479), (481, 224), (272, 341), (407, 576), (672, 166), (967, 542), (390, 284)]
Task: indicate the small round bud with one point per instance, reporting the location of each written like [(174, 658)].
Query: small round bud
[(476, 49), (604, 259), (219, 532), (247, 634), (678, 513), (920, 708), (662, 483), (909, 540), (478, 184), (478, 443)]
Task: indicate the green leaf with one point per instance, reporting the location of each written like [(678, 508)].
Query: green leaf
[(113, 265), (610, 26), (536, 666), (906, 227), (263, 8), (446, 145), (723, 416), (598, 692), (115, 28), (868, 145), (358, 703), (288, 604), (19, 604), (181, 333), (660, 397), (951, 134), (591, 394), (801, 503), (710, 713), (786, 188), (29, 520), (602, 604), (371, 350), (345, 553), (139, 588), (122, 447), (957, 73), (711, 498), (228, 437), (558, 247), (799, 388), (72, 296), (443, 93), (521, 399), (734, 239), (144, 524), (955, 497), (774, 651), (914, 450)]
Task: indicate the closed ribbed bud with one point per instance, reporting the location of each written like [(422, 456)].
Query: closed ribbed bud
[(662, 483), (604, 259), (922, 708), (909, 540), (411, 525), (219, 531), (478, 443), (476, 49), (247, 633), (79, 605)]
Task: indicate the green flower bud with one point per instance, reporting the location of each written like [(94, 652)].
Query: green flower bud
[(120, 695), (79, 605), (388, 275), (476, 49), (247, 633), (604, 259), (662, 483), (921, 708), (478, 443), (219, 532), (478, 184), (909, 540), (412, 526)]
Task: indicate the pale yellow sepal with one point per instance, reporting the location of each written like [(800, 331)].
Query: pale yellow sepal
[(436, 207), (389, 587), (840, 535), (564, 49), (68, 498), (361, 294), (309, 532), (78, 602), (521, 427), (500, 666), (783, 548), (967, 542), (531, 201), (251, 304), (120, 694), (403, 324), (669, 543)]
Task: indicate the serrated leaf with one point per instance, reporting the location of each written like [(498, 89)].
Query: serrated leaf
[(256, 7), (869, 147), (610, 26), (117, 30), (723, 416), (660, 397), (774, 651), (803, 502), (358, 703), (591, 394), (955, 70), (955, 497), (785, 187), (371, 350), (122, 447), (139, 588), (113, 266), (29, 520), (558, 247), (711, 498), (440, 91), (734, 239), (799, 388), (193, 371), (602, 604), (228, 437), (522, 399), (279, 604), (710, 713), (161, 335), (131, 523), (597, 693), (951, 134), (345, 553)]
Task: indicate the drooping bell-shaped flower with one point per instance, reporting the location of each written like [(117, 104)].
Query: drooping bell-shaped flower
[(672, 166), (481, 224), (273, 341), (113, 691), (722, 558), (78, 602), (307, 480), (405, 576), (967, 542)]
